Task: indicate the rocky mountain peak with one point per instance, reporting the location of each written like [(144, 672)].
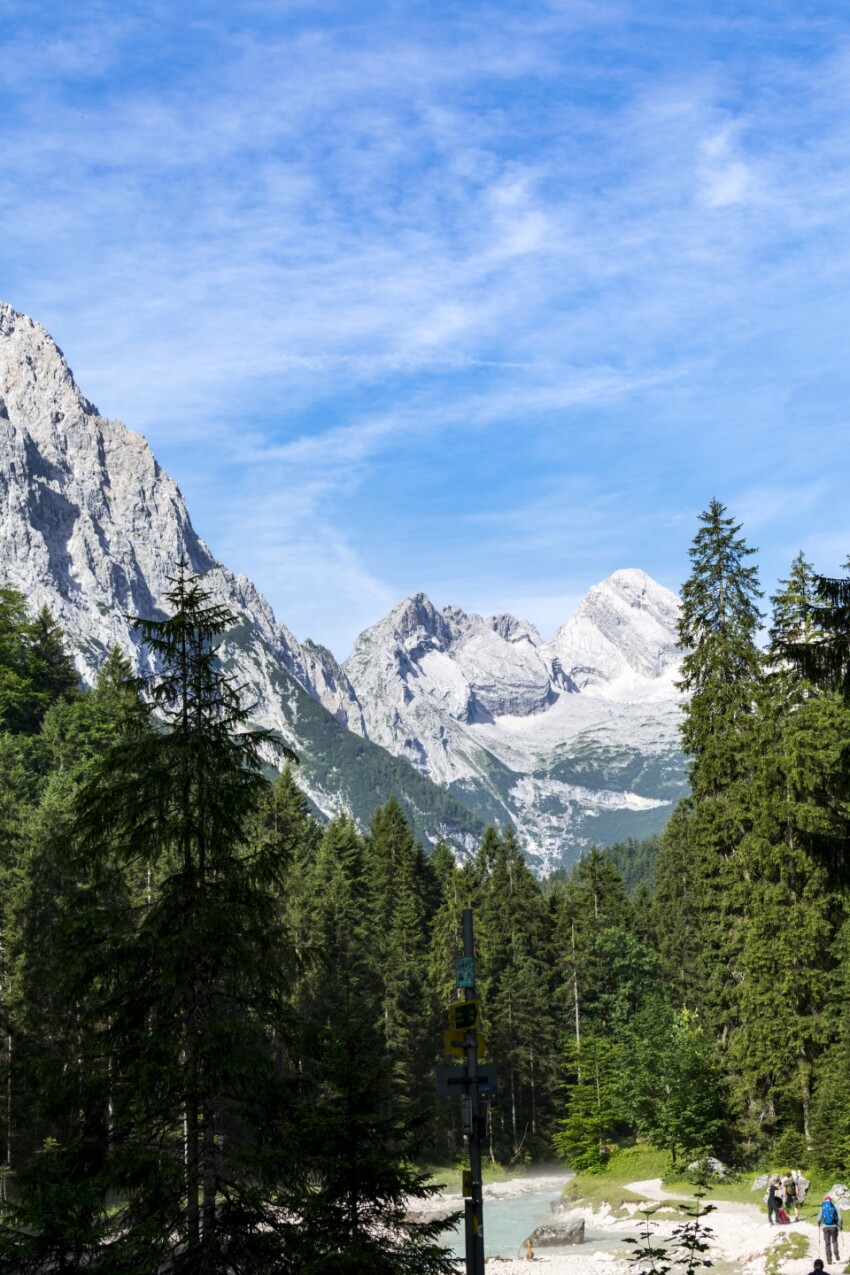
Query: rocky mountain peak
[(31, 364), (417, 617), (622, 637), (514, 630), (92, 526)]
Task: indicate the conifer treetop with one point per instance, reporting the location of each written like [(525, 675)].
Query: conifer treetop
[(822, 653), (720, 595)]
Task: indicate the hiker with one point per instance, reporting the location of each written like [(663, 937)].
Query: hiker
[(818, 1267), (774, 1202), (829, 1220), (790, 1188)]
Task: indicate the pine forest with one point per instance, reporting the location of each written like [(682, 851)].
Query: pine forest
[(221, 1018)]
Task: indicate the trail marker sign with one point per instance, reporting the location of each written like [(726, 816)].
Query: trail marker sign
[(453, 1081), (463, 1017)]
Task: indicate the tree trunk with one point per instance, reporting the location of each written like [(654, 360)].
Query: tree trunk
[(807, 1097), (193, 1194), (208, 1174)]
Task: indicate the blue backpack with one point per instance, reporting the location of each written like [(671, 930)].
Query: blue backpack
[(829, 1213)]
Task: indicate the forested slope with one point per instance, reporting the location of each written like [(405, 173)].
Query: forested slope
[(221, 1018)]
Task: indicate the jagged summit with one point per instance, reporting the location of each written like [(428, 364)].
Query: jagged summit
[(513, 722), (92, 526), (622, 637)]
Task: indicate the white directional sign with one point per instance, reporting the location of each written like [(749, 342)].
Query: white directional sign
[(452, 1082)]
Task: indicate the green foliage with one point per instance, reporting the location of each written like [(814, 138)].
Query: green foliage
[(635, 861), (35, 669), (673, 1089), (513, 936), (58, 1216), (791, 1148), (594, 1088), (358, 1135), (820, 645)]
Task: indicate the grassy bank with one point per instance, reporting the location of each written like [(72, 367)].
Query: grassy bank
[(641, 1163), (631, 1164)]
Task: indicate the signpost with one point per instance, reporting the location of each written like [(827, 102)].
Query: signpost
[(470, 1083), (475, 1206)]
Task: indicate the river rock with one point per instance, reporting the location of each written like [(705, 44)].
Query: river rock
[(567, 1230)]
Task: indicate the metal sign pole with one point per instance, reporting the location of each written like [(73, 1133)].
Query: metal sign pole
[(475, 1205)]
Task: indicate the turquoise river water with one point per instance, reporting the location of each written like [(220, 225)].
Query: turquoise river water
[(508, 1221)]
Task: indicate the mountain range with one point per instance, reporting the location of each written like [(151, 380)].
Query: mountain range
[(466, 719)]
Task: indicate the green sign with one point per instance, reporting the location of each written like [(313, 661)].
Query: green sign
[(463, 1017), (464, 971)]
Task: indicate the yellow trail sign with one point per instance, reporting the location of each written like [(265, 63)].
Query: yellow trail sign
[(453, 1044)]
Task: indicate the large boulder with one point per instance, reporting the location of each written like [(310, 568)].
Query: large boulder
[(762, 1182), (711, 1165), (567, 1230), (841, 1196)]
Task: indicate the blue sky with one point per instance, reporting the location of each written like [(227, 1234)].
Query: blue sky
[(482, 300)]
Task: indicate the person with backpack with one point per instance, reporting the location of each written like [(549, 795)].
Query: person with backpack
[(829, 1220), (774, 1200), (791, 1195)]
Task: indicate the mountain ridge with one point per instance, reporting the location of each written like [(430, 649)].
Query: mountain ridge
[(93, 527), (484, 718), (574, 739)]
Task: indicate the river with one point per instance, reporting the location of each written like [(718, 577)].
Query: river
[(512, 1210)]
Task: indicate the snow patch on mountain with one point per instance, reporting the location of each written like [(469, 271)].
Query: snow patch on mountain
[(489, 707)]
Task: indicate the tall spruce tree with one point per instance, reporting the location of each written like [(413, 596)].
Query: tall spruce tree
[(717, 630), (720, 674), (401, 885), (195, 995), (789, 901), (819, 648)]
